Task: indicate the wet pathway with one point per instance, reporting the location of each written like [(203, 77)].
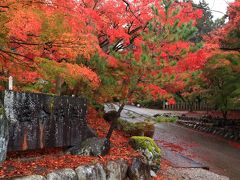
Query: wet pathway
[(216, 153), (186, 147)]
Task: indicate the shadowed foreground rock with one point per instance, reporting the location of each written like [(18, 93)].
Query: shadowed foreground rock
[(139, 170), (39, 120), (63, 174), (91, 147), (112, 170), (33, 177), (91, 172), (117, 170), (3, 134), (109, 116)]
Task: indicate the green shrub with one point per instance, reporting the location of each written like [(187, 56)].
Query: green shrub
[(160, 119), (1, 110), (151, 104)]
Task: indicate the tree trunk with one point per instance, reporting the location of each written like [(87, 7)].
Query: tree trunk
[(191, 106), (59, 82), (225, 114), (114, 121)]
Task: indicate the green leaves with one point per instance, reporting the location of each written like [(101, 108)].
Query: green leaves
[(3, 29), (222, 73), (53, 27), (196, 47), (187, 31)]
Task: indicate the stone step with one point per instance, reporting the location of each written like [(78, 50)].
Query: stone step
[(178, 160)]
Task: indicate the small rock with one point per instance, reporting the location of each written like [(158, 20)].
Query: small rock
[(156, 115), (139, 170), (152, 173), (32, 177), (148, 155), (117, 170), (110, 115), (91, 147), (92, 131), (226, 135), (63, 174), (93, 172)]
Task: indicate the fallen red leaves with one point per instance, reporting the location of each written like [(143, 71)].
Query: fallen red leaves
[(172, 146), (234, 144), (164, 167), (215, 114), (46, 160)]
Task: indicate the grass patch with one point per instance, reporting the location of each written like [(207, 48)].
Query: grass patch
[(160, 119)]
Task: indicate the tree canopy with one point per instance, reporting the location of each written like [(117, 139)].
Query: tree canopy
[(217, 82), (107, 50), (47, 44)]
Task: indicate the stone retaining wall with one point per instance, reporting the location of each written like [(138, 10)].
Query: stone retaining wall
[(34, 121), (231, 132), (113, 170)]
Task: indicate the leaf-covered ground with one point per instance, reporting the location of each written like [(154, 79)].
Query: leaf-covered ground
[(46, 160), (214, 114)]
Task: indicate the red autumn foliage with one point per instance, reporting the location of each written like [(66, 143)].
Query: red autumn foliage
[(226, 37), (63, 30)]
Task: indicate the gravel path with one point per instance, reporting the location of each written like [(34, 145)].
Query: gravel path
[(191, 174)]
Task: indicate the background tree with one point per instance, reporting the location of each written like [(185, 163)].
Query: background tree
[(227, 37), (148, 68), (205, 24), (218, 82), (221, 76)]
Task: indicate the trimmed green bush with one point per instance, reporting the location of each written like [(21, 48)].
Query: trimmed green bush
[(136, 129), (160, 119)]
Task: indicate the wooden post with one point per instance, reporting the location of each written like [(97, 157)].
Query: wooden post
[(10, 83)]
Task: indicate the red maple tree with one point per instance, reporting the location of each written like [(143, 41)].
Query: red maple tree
[(143, 44)]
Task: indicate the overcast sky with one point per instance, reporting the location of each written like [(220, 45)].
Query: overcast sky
[(218, 5)]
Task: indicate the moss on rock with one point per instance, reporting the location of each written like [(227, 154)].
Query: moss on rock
[(1, 110), (136, 129), (149, 149), (142, 142)]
